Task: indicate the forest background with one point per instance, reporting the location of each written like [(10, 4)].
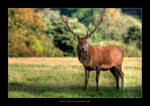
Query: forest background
[(40, 32)]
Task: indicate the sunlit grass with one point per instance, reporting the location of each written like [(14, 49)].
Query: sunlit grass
[(64, 77)]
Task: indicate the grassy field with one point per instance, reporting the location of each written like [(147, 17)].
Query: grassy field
[(64, 78)]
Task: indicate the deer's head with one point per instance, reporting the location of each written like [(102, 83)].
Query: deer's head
[(82, 42)]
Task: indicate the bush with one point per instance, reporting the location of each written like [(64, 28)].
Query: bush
[(134, 35), (41, 32), (115, 25), (50, 50)]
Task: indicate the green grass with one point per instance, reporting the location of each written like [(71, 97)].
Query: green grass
[(64, 78)]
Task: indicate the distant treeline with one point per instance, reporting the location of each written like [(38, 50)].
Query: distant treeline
[(133, 11), (41, 32)]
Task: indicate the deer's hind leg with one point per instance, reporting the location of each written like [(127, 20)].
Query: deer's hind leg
[(115, 73), (119, 67), (98, 69)]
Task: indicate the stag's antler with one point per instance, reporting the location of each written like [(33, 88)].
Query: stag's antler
[(65, 20), (100, 20)]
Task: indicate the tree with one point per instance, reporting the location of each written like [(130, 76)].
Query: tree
[(25, 31), (41, 32), (87, 15), (60, 34), (134, 36)]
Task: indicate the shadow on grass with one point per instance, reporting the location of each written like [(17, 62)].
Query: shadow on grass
[(104, 91)]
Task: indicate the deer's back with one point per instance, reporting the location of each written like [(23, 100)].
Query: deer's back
[(106, 56)]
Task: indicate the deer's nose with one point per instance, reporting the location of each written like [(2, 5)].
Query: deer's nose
[(82, 49)]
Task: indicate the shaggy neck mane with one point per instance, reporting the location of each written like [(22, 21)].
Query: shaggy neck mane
[(85, 57)]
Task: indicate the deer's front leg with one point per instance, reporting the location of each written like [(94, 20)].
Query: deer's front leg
[(87, 74), (97, 76)]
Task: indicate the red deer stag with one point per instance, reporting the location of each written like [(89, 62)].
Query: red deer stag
[(97, 58)]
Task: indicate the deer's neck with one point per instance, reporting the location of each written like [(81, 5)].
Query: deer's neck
[(85, 58)]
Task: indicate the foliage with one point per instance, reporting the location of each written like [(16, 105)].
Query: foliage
[(115, 25), (62, 38), (25, 21), (41, 32), (50, 50), (86, 15), (25, 30), (134, 35), (16, 46)]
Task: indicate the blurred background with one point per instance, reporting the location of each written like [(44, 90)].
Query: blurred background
[(40, 32)]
